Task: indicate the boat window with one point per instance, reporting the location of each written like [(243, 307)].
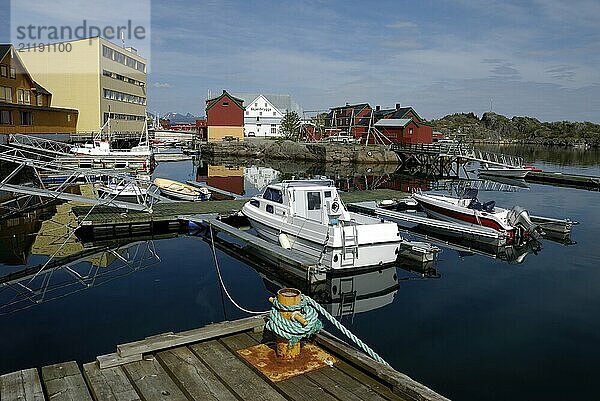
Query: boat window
[(328, 194), (270, 208), (314, 200), (255, 203), (273, 195)]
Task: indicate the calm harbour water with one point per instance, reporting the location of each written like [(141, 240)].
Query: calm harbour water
[(480, 329)]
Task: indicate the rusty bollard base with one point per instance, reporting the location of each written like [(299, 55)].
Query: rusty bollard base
[(263, 358)]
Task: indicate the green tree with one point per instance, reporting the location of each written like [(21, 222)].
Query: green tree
[(290, 126)]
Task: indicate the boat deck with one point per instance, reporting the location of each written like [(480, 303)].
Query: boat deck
[(203, 364)]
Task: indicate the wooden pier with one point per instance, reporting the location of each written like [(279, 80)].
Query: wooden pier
[(204, 364)]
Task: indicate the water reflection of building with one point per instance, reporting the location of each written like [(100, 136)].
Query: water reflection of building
[(396, 182), (229, 178), (18, 235), (260, 177)]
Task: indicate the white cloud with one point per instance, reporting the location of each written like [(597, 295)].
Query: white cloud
[(161, 85)]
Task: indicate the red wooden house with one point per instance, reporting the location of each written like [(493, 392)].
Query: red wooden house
[(348, 120), (225, 118), (403, 125)]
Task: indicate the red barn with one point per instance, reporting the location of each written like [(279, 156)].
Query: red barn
[(225, 118)]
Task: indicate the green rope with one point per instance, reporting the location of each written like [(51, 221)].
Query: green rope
[(294, 331)]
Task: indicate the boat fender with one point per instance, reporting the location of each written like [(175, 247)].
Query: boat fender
[(284, 241)]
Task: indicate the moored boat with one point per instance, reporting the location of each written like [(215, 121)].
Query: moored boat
[(309, 216), (508, 172), (515, 222), (181, 191)]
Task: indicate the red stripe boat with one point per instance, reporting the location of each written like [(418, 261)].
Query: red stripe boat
[(467, 209)]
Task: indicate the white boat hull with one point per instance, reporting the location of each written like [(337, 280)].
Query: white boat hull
[(505, 172), (367, 255)]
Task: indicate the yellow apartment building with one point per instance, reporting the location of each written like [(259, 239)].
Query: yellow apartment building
[(96, 77)]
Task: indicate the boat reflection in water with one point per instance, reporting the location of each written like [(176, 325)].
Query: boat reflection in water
[(348, 294)]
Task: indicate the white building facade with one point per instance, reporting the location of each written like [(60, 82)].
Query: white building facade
[(264, 113)]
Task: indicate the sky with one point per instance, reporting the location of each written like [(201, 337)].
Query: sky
[(539, 58)]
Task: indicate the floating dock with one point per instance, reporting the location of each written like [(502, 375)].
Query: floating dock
[(564, 180), (208, 364)]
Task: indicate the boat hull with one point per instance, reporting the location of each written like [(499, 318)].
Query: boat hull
[(367, 255), (504, 172)]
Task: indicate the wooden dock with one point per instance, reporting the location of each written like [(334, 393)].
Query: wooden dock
[(172, 212), (564, 180), (204, 364)]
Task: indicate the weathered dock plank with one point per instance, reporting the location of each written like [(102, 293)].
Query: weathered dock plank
[(109, 384), (152, 382), (64, 382), (23, 385), (401, 384), (192, 376), (246, 383), (170, 340)]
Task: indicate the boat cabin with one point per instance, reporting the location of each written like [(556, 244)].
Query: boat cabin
[(315, 200)]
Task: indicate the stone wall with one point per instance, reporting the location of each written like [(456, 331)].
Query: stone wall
[(288, 150)]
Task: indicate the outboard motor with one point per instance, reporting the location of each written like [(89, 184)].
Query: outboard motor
[(519, 218)]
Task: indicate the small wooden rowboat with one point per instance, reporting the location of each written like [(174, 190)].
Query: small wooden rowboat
[(179, 190)]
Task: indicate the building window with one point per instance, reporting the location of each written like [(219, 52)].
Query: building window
[(27, 97), (265, 105), (122, 59), (39, 100), (247, 112), (3, 71), (225, 104), (274, 113), (260, 113), (410, 131), (273, 129), (255, 104), (20, 96), (13, 73), (124, 97), (26, 118), (6, 94), (5, 117), (68, 118)]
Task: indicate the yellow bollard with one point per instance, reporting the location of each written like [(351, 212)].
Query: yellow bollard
[(289, 297)]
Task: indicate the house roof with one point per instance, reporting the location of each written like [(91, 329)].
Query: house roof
[(283, 103), (356, 107), (4, 48), (40, 89), (393, 122), (211, 102)]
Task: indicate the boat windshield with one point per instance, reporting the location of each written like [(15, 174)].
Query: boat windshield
[(273, 194), (470, 193)]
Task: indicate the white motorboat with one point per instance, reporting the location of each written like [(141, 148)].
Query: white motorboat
[(309, 216), (508, 172), (467, 209), (181, 191), (121, 189), (101, 146)]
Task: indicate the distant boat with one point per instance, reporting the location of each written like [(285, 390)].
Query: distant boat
[(179, 190), (508, 172), (101, 145)]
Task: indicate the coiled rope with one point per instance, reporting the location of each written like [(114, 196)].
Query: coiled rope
[(292, 330)]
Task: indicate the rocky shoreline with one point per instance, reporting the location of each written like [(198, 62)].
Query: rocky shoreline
[(315, 152), (494, 128)]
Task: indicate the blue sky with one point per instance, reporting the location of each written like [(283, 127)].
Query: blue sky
[(539, 58)]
